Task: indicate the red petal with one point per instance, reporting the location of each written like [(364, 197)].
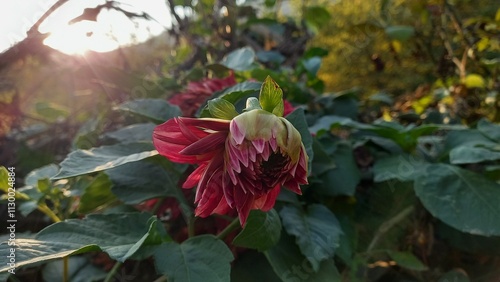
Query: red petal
[(195, 176), (214, 141)]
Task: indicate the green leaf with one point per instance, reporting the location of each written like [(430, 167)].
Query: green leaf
[(51, 111), (133, 133), (200, 258), (407, 260), (291, 266), (221, 109), (312, 65), (469, 137), (322, 162), (489, 129), (454, 276), (156, 110), (469, 155), (252, 266), (460, 198), (80, 269), (343, 179), (298, 119), (136, 182), (235, 94), (82, 162), (270, 56), (316, 17), (44, 172), (240, 59), (96, 195), (399, 32), (271, 97), (120, 235), (4, 179), (317, 231), (262, 231), (402, 167)]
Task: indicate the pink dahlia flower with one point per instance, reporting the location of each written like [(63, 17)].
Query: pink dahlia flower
[(242, 163), (198, 92)]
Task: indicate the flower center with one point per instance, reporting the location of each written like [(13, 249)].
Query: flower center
[(271, 170)]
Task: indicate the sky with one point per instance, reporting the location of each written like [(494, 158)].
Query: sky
[(111, 29)]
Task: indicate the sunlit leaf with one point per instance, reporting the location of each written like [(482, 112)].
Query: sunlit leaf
[(98, 159), (120, 235)]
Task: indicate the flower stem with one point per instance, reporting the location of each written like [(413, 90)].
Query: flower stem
[(48, 212), (230, 228), (387, 225), (113, 271), (65, 269), (190, 225)]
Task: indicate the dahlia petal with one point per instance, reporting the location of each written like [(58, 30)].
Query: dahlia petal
[(293, 186), (213, 166), (222, 207), (209, 143), (274, 144), (242, 153), (259, 145), (228, 190), (268, 200), (237, 133), (243, 205), (195, 176)]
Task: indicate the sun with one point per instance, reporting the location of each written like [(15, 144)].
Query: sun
[(78, 38)]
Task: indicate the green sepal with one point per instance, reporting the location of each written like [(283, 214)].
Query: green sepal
[(271, 97), (222, 109)]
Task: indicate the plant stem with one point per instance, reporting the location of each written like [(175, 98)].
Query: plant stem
[(231, 227), (113, 271), (48, 212), (387, 225), (65, 269), (190, 225)]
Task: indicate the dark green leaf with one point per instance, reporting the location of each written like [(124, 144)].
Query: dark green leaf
[(298, 119), (133, 133), (343, 179), (136, 182), (489, 129), (252, 266), (454, 276), (401, 167), (322, 162), (221, 109), (270, 57), (82, 162), (462, 199), (156, 110), (120, 235), (200, 258), (80, 269), (317, 231), (240, 59), (96, 195), (262, 231), (271, 97), (291, 266), (407, 260), (470, 155), (312, 65), (467, 138)]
